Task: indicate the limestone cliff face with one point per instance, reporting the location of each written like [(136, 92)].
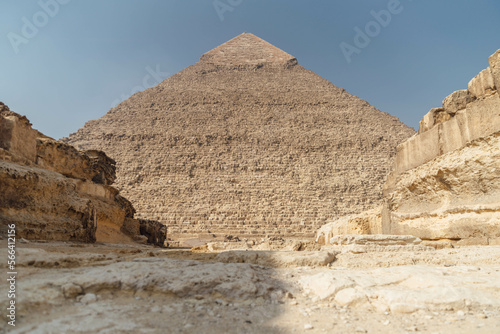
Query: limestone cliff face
[(247, 142), (44, 205), (52, 191), (446, 182)]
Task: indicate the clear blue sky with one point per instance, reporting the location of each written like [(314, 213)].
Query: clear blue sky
[(88, 54)]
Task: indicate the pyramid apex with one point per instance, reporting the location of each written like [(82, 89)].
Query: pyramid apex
[(247, 49)]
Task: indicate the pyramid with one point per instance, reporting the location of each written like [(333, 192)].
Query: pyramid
[(247, 50), (248, 143)]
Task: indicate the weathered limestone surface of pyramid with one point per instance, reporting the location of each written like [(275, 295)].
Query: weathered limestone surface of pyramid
[(246, 142)]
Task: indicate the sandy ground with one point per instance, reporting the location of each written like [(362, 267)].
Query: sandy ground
[(103, 288)]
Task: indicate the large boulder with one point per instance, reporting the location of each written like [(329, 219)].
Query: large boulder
[(456, 101), (494, 61), (155, 231), (367, 222), (482, 84)]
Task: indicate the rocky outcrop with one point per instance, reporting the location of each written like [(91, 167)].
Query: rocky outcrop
[(145, 231), (51, 191), (65, 159), (104, 165), (155, 231), (455, 196), (446, 181), (44, 205), (17, 139), (367, 222)]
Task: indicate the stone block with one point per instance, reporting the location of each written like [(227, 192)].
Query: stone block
[(449, 225), (52, 191), (456, 101), (494, 61), (450, 135), (445, 184), (483, 117), (483, 84), (428, 121), (367, 222), (417, 150)]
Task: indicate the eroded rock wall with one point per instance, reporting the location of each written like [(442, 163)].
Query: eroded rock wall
[(44, 205), (446, 179), (52, 191)]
